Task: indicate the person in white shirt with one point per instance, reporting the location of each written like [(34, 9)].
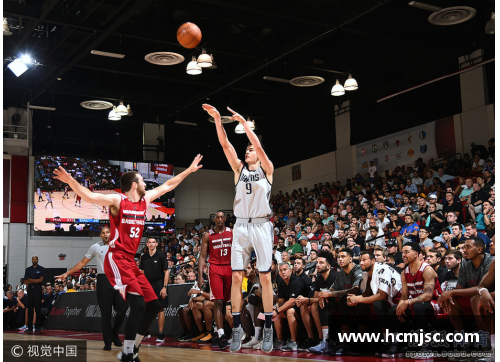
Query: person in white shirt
[(372, 169), (478, 163)]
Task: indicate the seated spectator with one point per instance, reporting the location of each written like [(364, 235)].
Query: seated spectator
[(433, 200), (347, 282), (351, 244), (478, 163), (20, 312), (381, 288), (485, 214), (411, 187), (289, 288), (9, 305), (435, 221), (490, 224), (471, 273), (434, 258), (396, 224), (416, 301), (476, 199), (453, 260), (441, 175), (409, 232), (471, 232), (467, 189), (383, 221), (193, 311), (452, 205)]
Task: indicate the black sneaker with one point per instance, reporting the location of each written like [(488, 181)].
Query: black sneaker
[(424, 352), (107, 347), (223, 343), (341, 350), (182, 335), (188, 337), (160, 337), (308, 343), (382, 349), (392, 352), (215, 340), (127, 357)]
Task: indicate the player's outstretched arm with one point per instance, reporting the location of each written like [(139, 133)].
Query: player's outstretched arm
[(174, 181), (228, 148), (99, 199), (77, 267), (265, 162)]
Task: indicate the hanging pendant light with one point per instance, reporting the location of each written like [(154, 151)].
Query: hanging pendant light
[(338, 90), (490, 26), (204, 60), (113, 116), (6, 29), (129, 111), (121, 110), (350, 84), (193, 68), (240, 129)]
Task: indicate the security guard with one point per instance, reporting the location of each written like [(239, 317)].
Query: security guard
[(154, 265), (107, 297), (33, 278)]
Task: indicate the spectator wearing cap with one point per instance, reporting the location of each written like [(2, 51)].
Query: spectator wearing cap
[(399, 201), (392, 251)]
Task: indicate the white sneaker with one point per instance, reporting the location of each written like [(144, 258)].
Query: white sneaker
[(23, 328), (258, 345), (250, 344)]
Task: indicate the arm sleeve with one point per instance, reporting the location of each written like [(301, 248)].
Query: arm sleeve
[(91, 253), (358, 275)]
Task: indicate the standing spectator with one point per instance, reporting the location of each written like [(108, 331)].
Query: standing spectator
[(154, 265), (372, 169), (33, 277)]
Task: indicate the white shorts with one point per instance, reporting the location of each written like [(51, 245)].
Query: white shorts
[(252, 236)]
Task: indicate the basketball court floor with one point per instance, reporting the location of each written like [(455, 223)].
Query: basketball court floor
[(171, 350)]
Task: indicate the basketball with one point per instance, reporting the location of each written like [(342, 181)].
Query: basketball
[(189, 35)]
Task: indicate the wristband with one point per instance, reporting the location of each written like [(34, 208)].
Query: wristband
[(480, 290)]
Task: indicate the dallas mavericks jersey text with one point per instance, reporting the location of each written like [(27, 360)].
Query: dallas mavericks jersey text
[(252, 194)]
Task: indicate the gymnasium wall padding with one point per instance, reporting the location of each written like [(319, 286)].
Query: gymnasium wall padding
[(19, 189)]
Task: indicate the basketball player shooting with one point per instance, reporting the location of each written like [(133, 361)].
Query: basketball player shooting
[(127, 216), (253, 229)]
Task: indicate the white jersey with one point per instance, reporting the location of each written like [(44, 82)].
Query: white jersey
[(99, 251), (47, 195), (252, 194), (385, 278), (39, 191)]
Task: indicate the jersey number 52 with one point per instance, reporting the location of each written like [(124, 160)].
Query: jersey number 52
[(134, 232)]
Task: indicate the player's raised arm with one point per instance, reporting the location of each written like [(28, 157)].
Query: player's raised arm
[(265, 162), (228, 148), (99, 199), (174, 181)]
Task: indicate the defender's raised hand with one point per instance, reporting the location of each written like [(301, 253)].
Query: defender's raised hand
[(62, 175), (195, 165), (236, 116), (211, 110)]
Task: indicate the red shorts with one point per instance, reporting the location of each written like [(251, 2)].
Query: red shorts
[(125, 276), (220, 278), (464, 303)]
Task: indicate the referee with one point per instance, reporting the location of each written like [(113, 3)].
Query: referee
[(154, 265), (107, 296), (33, 278)]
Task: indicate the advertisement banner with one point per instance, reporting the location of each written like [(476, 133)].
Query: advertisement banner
[(397, 149), (80, 312)]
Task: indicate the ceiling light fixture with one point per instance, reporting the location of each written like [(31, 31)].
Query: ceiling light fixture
[(42, 108), (240, 129), (113, 116), (204, 60), (350, 84), (193, 68), (18, 67), (186, 123), (121, 110), (338, 90), (274, 79), (129, 111), (107, 54), (6, 29), (490, 26)]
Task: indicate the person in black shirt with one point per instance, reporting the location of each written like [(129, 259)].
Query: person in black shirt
[(476, 199), (309, 307), (33, 278), (453, 259), (154, 265), (452, 205), (433, 258), (392, 250), (48, 298), (9, 304), (289, 288), (396, 223)]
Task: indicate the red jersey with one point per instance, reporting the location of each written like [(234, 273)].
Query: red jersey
[(127, 227), (91, 188), (219, 247), (415, 283)]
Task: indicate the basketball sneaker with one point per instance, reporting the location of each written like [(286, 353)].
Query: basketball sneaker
[(238, 336), (251, 343), (267, 340)]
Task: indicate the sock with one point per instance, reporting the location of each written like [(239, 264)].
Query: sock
[(257, 332), (493, 341), (128, 347), (215, 329), (220, 332), (236, 319), (325, 334), (138, 340), (269, 319)]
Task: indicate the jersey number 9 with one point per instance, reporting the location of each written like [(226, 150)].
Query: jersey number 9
[(249, 188)]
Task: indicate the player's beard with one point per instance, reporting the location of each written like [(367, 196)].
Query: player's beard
[(141, 191)]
